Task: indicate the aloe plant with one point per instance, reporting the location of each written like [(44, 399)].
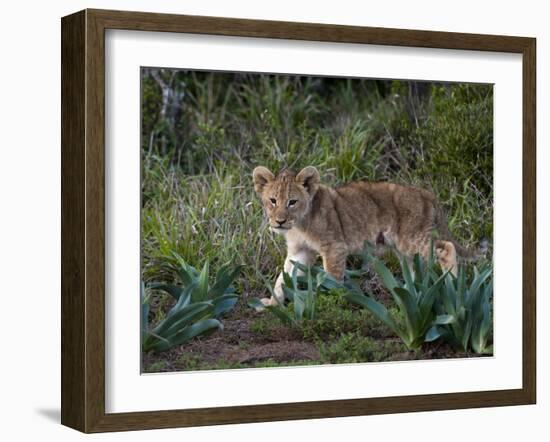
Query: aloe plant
[(467, 300), (196, 285), (301, 291), (183, 322), (199, 304), (327, 282), (144, 312), (415, 297)]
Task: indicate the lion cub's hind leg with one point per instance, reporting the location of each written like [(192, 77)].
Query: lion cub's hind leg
[(445, 252)]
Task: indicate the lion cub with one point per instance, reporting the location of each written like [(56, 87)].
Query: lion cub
[(334, 223)]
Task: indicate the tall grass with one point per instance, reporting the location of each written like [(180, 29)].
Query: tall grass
[(200, 145)]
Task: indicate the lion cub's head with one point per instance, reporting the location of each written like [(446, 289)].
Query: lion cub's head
[(286, 197)]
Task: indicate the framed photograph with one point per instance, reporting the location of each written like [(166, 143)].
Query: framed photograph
[(268, 220)]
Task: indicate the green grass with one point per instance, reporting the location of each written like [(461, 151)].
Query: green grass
[(265, 325), (335, 317), (354, 347), (156, 367), (268, 363), (198, 156)]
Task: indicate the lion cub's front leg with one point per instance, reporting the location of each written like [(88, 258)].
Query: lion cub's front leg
[(300, 254)]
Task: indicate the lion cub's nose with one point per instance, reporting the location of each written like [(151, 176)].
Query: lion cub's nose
[(280, 222)]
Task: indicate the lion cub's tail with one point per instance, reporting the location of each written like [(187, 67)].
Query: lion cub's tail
[(466, 254), (479, 252)]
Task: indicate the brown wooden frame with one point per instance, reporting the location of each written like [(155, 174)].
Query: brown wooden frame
[(83, 217)]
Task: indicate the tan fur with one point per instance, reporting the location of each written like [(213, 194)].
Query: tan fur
[(335, 223)]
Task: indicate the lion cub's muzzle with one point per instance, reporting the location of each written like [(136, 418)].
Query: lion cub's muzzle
[(280, 225)]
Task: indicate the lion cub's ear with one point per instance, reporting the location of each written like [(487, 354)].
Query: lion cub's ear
[(309, 178), (261, 176)]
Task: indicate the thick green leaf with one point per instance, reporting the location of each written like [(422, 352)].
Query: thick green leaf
[(418, 265), (224, 304), (331, 283), (427, 298), (352, 287), (302, 267), (201, 293), (188, 333), (480, 332), (183, 317), (173, 290), (474, 291), (152, 341), (411, 311), (387, 278), (355, 273), (431, 257), (299, 305), (223, 281), (409, 283), (449, 297), (288, 281), (144, 313), (328, 281), (183, 301), (295, 271), (309, 309), (448, 305), (461, 287), (320, 279), (444, 319), (434, 332), (461, 314), (187, 273), (289, 293), (467, 332), (224, 270)]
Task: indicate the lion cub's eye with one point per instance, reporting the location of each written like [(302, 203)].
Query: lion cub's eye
[(292, 202), (273, 201)]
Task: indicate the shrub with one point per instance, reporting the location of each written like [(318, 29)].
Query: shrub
[(184, 321), (196, 285), (467, 300), (198, 305), (415, 298)]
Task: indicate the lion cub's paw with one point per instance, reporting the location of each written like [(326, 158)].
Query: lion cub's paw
[(268, 302), (261, 308)]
